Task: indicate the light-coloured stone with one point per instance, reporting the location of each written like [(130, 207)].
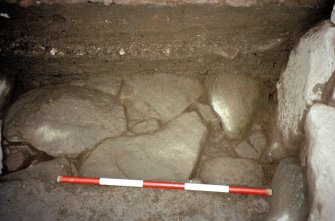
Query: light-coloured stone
[(288, 201), (229, 171), (48, 170), (207, 113), (160, 96), (146, 126), (258, 140), (236, 98), (107, 83), (320, 134), (168, 154), (245, 150), (64, 120), (310, 66)]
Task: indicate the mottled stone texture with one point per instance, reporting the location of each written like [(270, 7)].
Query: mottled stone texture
[(311, 65), (320, 134)]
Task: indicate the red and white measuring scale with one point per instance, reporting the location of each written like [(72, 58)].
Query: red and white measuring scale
[(165, 185)]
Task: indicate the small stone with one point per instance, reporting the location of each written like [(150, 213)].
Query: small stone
[(122, 52), (4, 15), (147, 126), (258, 140), (64, 119), (108, 83), (168, 154), (159, 96), (53, 51), (245, 150), (320, 134), (232, 171), (288, 201), (48, 170), (16, 161), (207, 113), (228, 96)]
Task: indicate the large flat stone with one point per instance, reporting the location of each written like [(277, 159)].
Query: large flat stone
[(168, 154), (310, 66), (160, 96), (320, 134), (64, 120), (232, 171), (236, 98), (36, 199), (288, 201)]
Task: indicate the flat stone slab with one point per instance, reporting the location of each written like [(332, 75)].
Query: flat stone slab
[(232, 171), (35, 199), (64, 119), (320, 134), (236, 98), (168, 154), (160, 96)]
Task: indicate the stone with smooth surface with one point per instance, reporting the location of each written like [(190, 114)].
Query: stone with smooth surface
[(236, 98), (288, 200), (147, 126), (64, 119), (232, 171), (159, 96), (108, 83), (310, 66), (168, 154), (320, 134)]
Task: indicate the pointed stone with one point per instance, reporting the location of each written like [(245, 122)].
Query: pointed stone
[(236, 98)]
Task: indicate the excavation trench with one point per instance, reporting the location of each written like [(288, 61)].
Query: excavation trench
[(136, 92)]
